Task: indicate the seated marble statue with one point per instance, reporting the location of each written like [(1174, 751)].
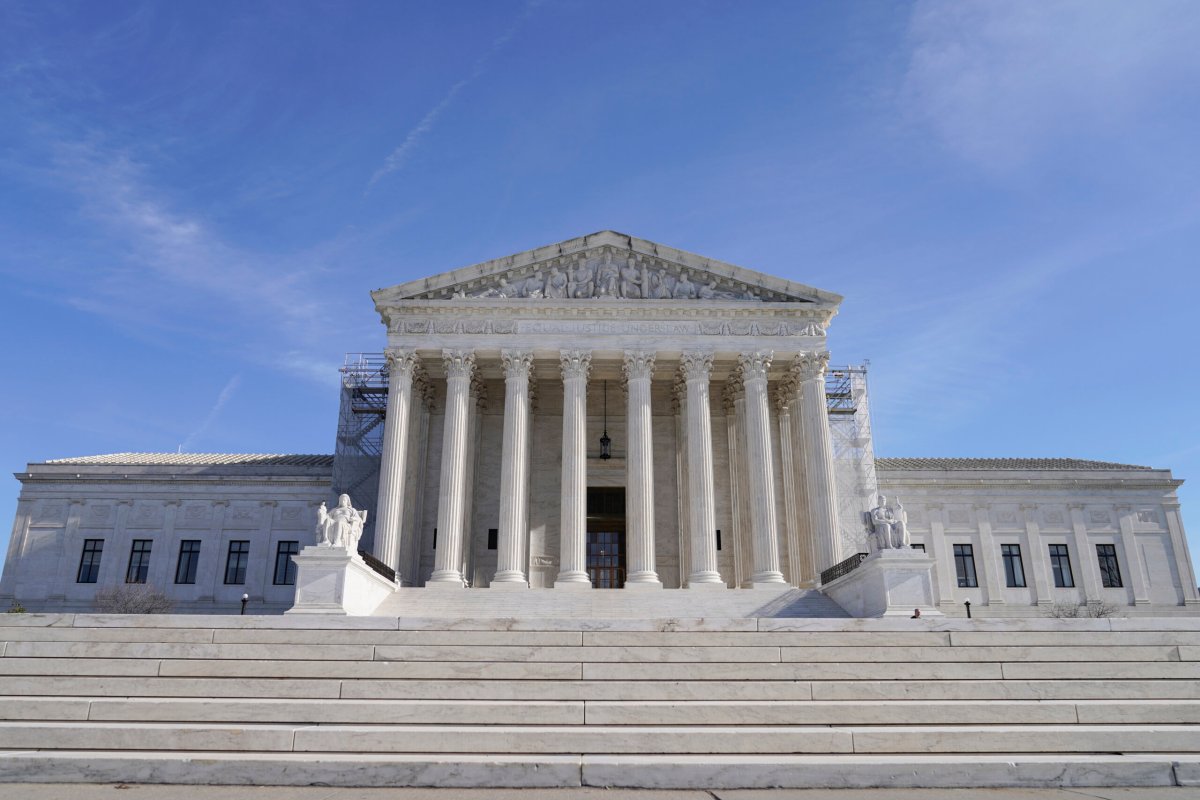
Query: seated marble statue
[(341, 527), (891, 525)]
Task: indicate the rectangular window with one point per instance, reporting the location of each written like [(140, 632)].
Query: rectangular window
[(285, 568), (718, 538), (89, 562), (189, 559), (235, 563), (964, 565), (139, 561), (1060, 565), (918, 546), (1014, 572), (493, 538), (1110, 570), (435, 538)]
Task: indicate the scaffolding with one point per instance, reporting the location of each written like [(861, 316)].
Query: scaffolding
[(853, 452), (356, 456)]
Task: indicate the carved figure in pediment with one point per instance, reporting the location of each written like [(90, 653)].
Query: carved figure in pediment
[(531, 286), (607, 276), (556, 284), (684, 288), (631, 281), (501, 289), (707, 292), (658, 286), (583, 282)]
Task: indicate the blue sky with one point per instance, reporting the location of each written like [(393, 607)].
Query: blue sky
[(196, 198)]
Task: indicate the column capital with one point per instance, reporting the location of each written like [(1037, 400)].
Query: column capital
[(637, 364), (678, 392), (785, 393), (754, 365), (696, 365), (730, 394), (517, 363), (459, 363), (401, 362), (810, 366), (575, 363)]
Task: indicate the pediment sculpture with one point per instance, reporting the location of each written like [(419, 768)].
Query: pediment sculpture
[(609, 276)]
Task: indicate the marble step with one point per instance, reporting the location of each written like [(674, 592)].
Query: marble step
[(600, 739), (777, 712)]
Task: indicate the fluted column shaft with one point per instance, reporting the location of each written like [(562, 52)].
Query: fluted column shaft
[(697, 368), (809, 369), (787, 460), (639, 463), (393, 464), (576, 365), (514, 469), (447, 569), (760, 470)]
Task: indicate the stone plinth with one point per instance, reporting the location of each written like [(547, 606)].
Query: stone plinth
[(888, 583), (330, 580)]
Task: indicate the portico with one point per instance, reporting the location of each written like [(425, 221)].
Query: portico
[(502, 376)]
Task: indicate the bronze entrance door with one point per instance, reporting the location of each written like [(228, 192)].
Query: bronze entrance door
[(606, 537)]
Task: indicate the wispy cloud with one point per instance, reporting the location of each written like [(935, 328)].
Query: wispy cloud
[(999, 82), (399, 157), (227, 392)]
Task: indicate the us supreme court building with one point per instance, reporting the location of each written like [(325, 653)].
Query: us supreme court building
[(604, 414)]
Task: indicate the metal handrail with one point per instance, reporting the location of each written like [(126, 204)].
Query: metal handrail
[(842, 568)]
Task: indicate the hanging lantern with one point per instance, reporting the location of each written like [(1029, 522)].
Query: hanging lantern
[(605, 442)]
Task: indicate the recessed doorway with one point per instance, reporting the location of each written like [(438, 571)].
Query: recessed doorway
[(606, 536)]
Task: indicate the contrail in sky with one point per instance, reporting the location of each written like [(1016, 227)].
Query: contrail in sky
[(222, 399), (398, 157)]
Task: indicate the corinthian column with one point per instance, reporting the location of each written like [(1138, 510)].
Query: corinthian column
[(572, 574), (514, 471), (809, 369), (759, 471), (702, 515), (447, 565), (639, 464), (393, 465)]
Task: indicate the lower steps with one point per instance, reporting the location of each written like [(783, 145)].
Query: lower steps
[(678, 702)]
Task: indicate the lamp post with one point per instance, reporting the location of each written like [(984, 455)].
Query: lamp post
[(246, 599), (967, 603)]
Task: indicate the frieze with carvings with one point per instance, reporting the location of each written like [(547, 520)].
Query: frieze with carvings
[(1147, 517), (492, 327), (1098, 517)]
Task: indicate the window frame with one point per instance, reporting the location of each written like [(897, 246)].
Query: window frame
[(90, 558), (192, 563), (1110, 566), (289, 566), (964, 566), (1014, 569), (1060, 559), (138, 570), (237, 568)]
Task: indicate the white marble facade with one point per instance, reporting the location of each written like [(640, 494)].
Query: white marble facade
[(709, 380)]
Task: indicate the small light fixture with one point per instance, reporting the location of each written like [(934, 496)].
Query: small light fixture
[(245, 599), (605, 442)]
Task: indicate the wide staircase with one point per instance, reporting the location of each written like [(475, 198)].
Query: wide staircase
[(671, 702)]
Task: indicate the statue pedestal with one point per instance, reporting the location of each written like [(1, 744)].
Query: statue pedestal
[(331, 580), (888, 583)]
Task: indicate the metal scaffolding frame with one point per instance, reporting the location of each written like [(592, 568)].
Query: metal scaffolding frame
[(853, 452)]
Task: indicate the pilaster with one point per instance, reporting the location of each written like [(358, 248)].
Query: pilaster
[(1039, 556), (1133, 556), (1179, 550), (989, 556)]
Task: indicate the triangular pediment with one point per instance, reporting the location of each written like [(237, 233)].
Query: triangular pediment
[(606, 266)]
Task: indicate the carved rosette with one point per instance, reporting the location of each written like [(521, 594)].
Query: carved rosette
[(402, 363), (754, 366), (575, 364), (637, 365), (696, 365), (517, 363), (459, 363), (810, 366)]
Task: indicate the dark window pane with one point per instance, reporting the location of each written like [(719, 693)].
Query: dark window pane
[(964, 566), (1060, 565), (1110, 570), (1014, 571), (285, 568), (139, 561), (89, 561), (493, 538), (189, 560), (235, 563)]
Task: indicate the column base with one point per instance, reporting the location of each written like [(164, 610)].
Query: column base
[(639, 586), (574, 586), (509, 586), (766, 579), (776, 585), (710, 586)]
